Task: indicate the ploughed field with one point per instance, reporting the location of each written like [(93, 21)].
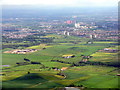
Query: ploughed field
[(54, 70)]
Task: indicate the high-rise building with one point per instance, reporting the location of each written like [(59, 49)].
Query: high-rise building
[(66, 33), (77, 25), (93, 36)]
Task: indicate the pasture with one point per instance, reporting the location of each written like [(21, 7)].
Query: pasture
[(43, 76), (105, 57)]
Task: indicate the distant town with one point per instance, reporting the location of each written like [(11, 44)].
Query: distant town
[(60, 48), (106, 30)]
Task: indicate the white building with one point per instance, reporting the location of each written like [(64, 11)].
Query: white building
[(66, 33), (77, 25)]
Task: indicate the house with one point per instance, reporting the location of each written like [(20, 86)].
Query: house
[(85, 60), (110, 50), (90, 42), (118, 74), (23, 51), (64, 68), (68, 56)]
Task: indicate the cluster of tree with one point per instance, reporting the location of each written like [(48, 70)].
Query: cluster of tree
[(75, 64), (46, 40), (86, 57), (73, 85), (104, 40), (72, 64), (26, 41), (54, 68), (15, 46), (81, 63), (60, 61), (22, 63), (61, 74), (35, 63), (36, 38), (27, 61), (113, 64)]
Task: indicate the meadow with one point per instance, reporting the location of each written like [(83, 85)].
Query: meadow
[(43, 75)]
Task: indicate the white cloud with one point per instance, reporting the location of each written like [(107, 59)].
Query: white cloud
[(61, 2)]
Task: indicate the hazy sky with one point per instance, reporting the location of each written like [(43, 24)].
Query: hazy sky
[(61, 2)]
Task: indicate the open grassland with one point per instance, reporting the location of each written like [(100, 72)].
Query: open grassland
[(23, 67), (55, 64), (14, 44), (7, 49), (89, 70), (21, 79), (43, 76), (28, 80), (54, 51), (53, 36), (88, 76), (104, 57), (95, 76), (68, 39), (59, 50), (11, 59), (115, 47), (71, 60), (100, 81)]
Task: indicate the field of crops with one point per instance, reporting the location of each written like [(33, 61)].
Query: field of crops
[(108, 57), (44, 75), (88, 76)]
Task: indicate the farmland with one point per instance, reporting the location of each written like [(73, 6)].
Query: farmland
[(49, 74)]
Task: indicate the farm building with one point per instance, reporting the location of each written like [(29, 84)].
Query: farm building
[(118, 74), (110, 50), (64, 68), (56, 69), (68, 56), (85, 60), (23, 51), (89, 42)]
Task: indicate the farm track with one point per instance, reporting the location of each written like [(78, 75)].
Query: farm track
[(47, 81), (114, 70), (42, 83)]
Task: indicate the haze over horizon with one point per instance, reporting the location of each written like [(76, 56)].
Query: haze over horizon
[(62, 3)]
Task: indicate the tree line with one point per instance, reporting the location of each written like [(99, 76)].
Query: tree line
[(81, 63)]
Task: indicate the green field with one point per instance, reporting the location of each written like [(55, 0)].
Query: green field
[(108, 57), (43, 75)]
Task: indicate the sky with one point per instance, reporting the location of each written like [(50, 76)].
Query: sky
[(74, 3)]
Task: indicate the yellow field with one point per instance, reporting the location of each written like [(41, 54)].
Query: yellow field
[(105, 42), (37, 46), (102, 54), (56, 36)]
